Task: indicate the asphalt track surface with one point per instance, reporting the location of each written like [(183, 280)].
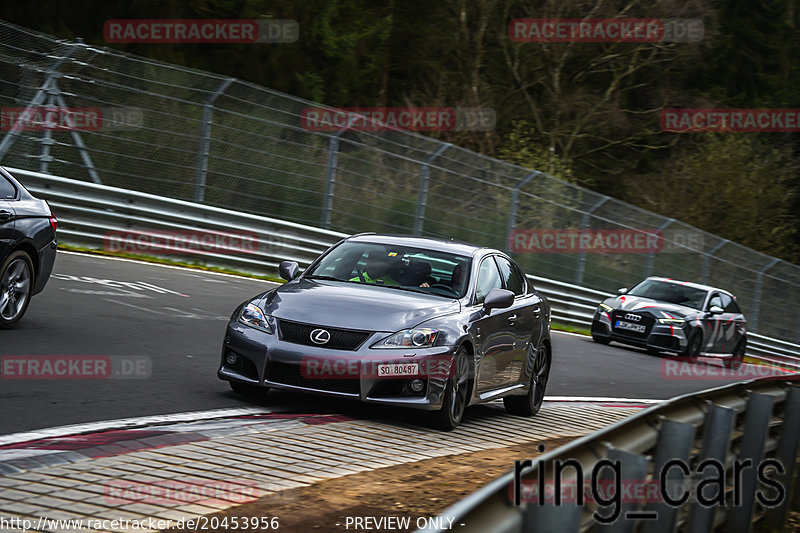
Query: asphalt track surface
[(174, 319)]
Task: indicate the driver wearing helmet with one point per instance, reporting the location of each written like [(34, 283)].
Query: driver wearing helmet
[(380, 266)]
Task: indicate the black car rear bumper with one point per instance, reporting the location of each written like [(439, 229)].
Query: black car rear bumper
[(47, 258)]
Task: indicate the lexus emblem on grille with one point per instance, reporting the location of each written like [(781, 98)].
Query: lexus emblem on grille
[(320, 336), (628, 316)]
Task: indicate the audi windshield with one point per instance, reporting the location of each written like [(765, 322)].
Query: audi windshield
[(670, 292)]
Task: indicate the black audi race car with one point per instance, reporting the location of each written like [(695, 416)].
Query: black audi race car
[(687, 319)]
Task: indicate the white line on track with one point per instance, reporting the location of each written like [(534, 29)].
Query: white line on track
[(174, 267), (595, 399), (129, 423), (197, 416)]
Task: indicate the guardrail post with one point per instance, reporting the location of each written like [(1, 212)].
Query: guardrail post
[(707, 260), (564, 518), (584, 226), (717, 428), (675, 441), (424, 178), (786, 453), (512, 211), (651, 258), (330, 178), (756, 425), (205, 140), (757, 295), (632, 469)]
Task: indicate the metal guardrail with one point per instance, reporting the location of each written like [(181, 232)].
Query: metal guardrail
[(754, 425), (203, 137), (88, 212)]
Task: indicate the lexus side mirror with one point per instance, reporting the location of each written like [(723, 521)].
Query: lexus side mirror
[(498, 299), (289, 270), (716, 310), (622, 290)]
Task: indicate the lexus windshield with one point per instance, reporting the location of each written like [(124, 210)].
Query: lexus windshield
[(399, 267)]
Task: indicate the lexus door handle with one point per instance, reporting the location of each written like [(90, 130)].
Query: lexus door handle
[(5, 215), (512, 319), (537, 311)]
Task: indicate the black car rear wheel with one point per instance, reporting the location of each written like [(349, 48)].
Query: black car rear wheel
[(693, 346), (16, 283), (531, 403), (455, 395)]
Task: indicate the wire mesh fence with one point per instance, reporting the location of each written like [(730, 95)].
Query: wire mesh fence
[(193, 135)]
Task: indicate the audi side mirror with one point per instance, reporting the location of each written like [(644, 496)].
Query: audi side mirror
[(716, 310), (622, 290), (498, 299), (289, 270)]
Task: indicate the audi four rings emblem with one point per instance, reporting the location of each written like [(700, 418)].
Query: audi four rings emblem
[(628, 316), (320, 336)]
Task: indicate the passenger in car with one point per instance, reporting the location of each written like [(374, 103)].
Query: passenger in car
[(417, 274)]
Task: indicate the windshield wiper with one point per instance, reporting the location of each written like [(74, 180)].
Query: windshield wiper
[(330, 278), (410, 289)]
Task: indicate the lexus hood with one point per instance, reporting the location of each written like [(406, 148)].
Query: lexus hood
[(340, 304)]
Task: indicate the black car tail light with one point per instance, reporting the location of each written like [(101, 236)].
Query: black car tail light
[(53, 222)]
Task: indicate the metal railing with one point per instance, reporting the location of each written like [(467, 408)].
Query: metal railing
[(89, 212), (196, 136), (733, 431)]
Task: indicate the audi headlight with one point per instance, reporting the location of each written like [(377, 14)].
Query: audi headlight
[(671, 321), (605, 307), (252, 315), (410, 338)]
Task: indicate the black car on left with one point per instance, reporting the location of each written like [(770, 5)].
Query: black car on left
[(27, 248), (406, 321)]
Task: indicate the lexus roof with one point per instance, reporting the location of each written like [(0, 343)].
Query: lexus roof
[(428, 243)]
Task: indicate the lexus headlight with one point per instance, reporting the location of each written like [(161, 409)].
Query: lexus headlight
[(671, 321), (410, 338), (252, 315), (605, 307)]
